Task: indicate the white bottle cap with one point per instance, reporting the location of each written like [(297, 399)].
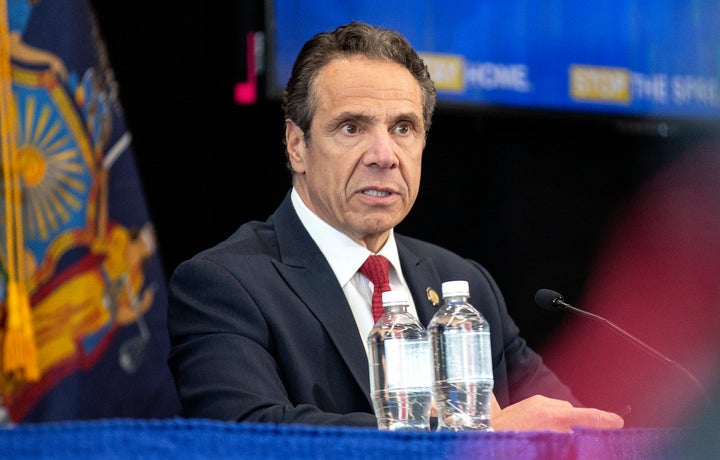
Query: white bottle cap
[(455, 288), (398, 297)]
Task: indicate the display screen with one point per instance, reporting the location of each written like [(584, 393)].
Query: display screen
[(650, 58)]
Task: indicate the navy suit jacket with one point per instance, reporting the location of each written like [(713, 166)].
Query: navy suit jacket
[(260, 329)]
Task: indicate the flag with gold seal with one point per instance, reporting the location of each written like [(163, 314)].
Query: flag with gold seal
[(82, 291)]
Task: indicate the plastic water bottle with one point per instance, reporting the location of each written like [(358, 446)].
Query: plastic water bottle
[(460, 338), (401, 383)]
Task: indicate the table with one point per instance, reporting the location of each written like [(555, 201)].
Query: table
[(206, 439)]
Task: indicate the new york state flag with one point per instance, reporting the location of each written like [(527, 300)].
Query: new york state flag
[(82, 291)]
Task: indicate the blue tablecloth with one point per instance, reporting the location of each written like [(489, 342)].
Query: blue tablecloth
[(191, 439)]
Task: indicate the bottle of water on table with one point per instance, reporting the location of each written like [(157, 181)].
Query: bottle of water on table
[(463, 377), (400, 359)]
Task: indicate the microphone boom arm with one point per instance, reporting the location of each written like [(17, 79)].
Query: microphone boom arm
[(560, 304)]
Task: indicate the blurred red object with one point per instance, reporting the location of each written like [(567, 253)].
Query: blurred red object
[(657, 276)]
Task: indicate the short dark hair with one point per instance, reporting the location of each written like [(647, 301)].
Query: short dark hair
[(354, 38)]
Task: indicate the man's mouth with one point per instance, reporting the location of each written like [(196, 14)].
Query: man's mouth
[(375, 193)]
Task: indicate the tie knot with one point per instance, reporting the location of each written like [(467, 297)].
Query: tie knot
[(376, 269)]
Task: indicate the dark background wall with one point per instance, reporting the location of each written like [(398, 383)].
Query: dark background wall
[(527, 194)]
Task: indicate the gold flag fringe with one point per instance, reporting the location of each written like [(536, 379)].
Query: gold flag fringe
[(19, 354)]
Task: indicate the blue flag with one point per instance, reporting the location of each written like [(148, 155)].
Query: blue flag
[(82, 290)]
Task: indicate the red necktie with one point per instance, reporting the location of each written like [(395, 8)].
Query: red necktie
[(376, 269)]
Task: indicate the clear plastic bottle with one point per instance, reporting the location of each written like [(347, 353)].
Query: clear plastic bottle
[(401, 383), (460, 339)]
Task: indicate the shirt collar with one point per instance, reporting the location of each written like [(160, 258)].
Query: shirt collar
[(344, 255)]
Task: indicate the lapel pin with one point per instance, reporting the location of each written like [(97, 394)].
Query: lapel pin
[(432, 296)]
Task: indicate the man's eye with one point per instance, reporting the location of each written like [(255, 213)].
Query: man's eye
[(349, 128), (402, 128)]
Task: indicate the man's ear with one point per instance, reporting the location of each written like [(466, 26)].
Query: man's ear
[(295, 143)]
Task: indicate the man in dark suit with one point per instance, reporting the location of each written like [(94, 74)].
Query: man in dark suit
[(270, 325)]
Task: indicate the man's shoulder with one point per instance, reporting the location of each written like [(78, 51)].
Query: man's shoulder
[(448, 263), (250, 239)]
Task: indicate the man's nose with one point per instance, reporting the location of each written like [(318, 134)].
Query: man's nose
[(382, 149)]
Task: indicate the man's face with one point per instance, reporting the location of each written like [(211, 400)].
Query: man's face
[(361, 170)]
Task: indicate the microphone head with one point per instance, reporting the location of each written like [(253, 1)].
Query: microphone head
[(547, 298)]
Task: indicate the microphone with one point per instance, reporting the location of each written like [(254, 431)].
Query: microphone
[(550, 300)]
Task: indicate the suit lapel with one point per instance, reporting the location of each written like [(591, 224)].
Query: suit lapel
[(305, 269)]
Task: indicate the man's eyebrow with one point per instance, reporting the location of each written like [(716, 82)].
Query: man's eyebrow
[(345, 116), (364, 118), (412, 116)]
